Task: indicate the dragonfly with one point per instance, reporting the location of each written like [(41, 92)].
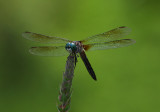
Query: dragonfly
[(107, 40)]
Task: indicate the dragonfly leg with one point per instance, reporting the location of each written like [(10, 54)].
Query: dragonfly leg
[(75, 56)]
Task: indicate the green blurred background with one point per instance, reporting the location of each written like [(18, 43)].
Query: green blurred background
[(128, 78)]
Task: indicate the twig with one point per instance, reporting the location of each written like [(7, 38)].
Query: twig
[(65, 89)]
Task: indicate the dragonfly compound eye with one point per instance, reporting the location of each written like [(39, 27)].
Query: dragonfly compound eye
[(68, 47), (73, 47)]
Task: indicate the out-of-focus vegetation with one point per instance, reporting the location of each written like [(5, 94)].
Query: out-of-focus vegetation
[(128, 78)]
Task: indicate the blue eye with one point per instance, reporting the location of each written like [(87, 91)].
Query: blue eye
[(71, 47), (68, 45)]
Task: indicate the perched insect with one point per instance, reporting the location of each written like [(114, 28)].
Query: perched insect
[(106, 40)]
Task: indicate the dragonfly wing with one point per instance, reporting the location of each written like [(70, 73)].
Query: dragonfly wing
[(49, 51), (111, 35), (43, 39), (109, 45)]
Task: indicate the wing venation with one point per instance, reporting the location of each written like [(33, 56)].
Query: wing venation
[(43, 39), (111, 35), (109, 45), (49, 51)]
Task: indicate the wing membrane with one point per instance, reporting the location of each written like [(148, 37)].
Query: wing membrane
[(43, 39), (49, 51), (111, 35), (109, 45)]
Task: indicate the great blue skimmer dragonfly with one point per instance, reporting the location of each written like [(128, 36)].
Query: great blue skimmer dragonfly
[(106, 40)]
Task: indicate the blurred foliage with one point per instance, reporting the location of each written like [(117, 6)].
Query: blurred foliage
[(128, 78)]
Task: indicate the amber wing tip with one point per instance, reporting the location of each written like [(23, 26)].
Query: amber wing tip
[(27, 32), (122, 27)]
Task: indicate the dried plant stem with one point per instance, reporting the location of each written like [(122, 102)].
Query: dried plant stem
[(65, 90)]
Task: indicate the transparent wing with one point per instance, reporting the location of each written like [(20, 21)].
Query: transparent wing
[(109, 45), (111, 35), (49, 51), (43, 39)]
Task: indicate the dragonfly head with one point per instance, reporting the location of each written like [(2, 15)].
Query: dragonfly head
[(71, 47)]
